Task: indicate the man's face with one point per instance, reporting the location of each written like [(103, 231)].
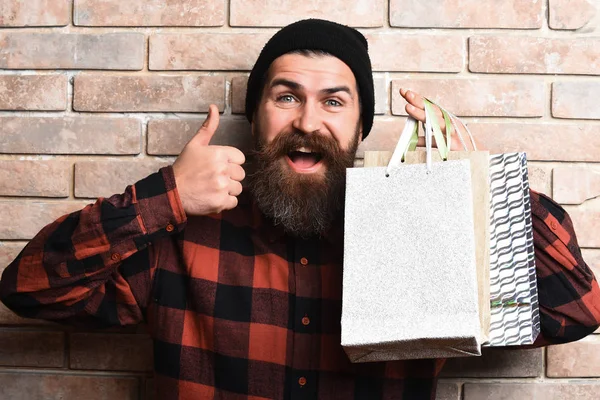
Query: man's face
[(306, 128)]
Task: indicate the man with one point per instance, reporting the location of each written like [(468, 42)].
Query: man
[(242, 291)]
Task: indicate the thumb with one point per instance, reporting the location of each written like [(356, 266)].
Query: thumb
[(209, 127)]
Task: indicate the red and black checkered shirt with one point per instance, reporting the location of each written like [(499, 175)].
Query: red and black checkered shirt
[(239, 310)]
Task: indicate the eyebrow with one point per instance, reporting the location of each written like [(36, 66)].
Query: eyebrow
[(296, 86)]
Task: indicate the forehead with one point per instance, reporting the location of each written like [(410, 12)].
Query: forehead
[(312, 71)]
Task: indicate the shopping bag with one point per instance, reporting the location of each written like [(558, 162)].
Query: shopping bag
[(514, 300), (480, 179), (410, 282)]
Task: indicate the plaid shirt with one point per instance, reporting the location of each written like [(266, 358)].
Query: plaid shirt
[(239, 310)]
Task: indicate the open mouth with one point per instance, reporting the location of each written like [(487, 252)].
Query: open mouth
[(304, 160)]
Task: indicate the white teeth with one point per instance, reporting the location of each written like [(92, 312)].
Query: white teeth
[(304, 150)]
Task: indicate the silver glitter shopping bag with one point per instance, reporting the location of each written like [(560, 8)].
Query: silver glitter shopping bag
[(410, 281)]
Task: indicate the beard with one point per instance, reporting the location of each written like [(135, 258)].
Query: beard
[(304, 204)]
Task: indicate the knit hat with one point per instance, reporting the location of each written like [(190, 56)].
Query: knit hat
[(341, 41)]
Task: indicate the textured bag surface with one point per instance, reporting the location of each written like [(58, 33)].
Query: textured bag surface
[(408, 290), (514, 300), (480, 179)]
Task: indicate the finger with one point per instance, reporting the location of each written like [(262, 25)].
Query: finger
[(419, 115), (234, 155), (421, 142), (456, 144), (416, 113), (235, 188), (230, 203), (403, 92), (236, 172), (209, 127), (414, 99)]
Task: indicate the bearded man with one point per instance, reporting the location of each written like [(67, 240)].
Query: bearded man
[(241, 289)]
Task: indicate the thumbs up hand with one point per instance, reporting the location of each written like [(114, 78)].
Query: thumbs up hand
[(208, 177)]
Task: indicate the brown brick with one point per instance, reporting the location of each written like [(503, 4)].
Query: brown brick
[(540, 178), (32, 349), (34, 178), (381, 94), (570, 14), (424, 53), (205, 51), (169, 136), (534, 55), (586, 221), (541, 141), (447, 391), (518, 14), (70, 135), (35, 386), (123, 51), (35, 13), (532, 391), (33, 92), (239, 86), (575, 360), (358, 13), (149, 13), (576, 99), (116, 352), (476, 97), (574, 185), (104, 178), (21, 220), (8, 252), (497, 363), (183, 93), (592, 258), (383, 137)]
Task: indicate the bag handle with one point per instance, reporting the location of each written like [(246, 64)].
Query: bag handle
[(409, 136)]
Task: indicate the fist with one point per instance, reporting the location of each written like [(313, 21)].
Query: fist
[(209, 178)]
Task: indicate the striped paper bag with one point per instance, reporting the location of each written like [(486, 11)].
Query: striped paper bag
[(513, 284)]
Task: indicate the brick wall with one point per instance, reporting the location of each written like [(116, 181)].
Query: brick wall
[(95, 94)]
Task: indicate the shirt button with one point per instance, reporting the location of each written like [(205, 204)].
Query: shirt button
[(553, 225), (170, 228), (302, 381), (304, 261), (115, 257), (305, 321)]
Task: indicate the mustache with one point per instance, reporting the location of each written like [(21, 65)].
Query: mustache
[(289, 141)]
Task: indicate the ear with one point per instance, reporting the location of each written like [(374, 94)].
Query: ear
[(360, 130)]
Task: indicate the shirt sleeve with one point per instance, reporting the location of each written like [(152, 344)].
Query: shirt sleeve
[(94, 267), (569, 297)]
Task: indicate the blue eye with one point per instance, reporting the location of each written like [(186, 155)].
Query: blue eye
[(333, 103), (286, 98)]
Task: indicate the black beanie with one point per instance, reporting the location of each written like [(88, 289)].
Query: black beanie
[(343, 42)]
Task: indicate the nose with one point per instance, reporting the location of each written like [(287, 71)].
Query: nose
[(308, 119)]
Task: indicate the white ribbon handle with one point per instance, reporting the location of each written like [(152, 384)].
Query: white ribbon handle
[(431, 129), (402, 145)]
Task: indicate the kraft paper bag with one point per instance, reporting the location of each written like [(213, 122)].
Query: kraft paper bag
[(410, 281), (514, 299)]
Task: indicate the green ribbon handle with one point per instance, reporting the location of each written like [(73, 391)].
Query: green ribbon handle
[(409, 136)]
